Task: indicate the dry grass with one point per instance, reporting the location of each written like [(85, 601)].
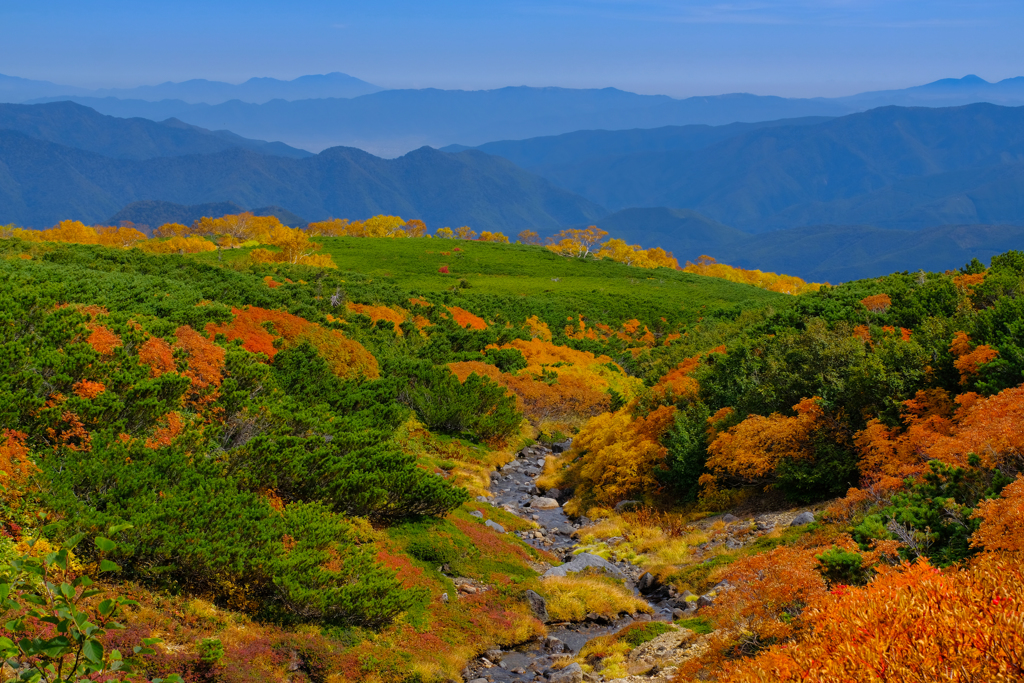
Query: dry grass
[(571, 598), (649, 539)]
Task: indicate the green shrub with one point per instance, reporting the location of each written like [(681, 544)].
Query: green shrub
[(637, 634), (844, 567)]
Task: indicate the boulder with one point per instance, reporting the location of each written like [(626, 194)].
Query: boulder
[(561, 447), (570, 674), (627, 505), (541, 503), (729, 518), (476, 513), (646, 582), (552, 644), (538, 606), (494, 525), (585, 561), (479, 680), (802, 518), (554, 493)]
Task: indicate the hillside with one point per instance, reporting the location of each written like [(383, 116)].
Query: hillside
[(42, 183), (73, 125), (351, 472), (903, 168)]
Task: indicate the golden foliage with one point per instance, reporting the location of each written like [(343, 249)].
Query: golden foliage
[(15, 465), (1002, 520), (576, 242), (486, 236), (572, 598), (877, 303), (784, 284), (969, 361)]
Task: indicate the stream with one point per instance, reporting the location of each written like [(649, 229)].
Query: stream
[(514, 488)]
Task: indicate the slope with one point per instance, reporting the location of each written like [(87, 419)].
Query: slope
[(42, 182), (77, 126)]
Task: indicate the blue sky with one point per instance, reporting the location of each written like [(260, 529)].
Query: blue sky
[(783, 47)]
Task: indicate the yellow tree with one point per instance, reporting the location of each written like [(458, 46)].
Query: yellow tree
[(415, 228), (576, 242), (384, 226), (335, 227), (173, 230), (445, 233), (486, 236), (465, 233), (529, 237), (618, 250)]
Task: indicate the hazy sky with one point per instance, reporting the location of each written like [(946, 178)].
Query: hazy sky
[(784, 47)]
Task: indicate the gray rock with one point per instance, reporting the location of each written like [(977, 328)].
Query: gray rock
[(476, 513), (570, 674), (732, 544), (539, 503), (561, 447), (494, 525), (802, 518), (584, 561), (479, 680), (627, 505), (552, 644), (705, 601), (538, 605), (646, 582), (495, 474), (554, 493), (481, 499), (729, 518)]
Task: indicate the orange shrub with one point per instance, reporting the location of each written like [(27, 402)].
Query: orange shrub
[(377, 313), (158, 355), (968, 362), (877, 303), (164, 435), (752, 450), (88, 389), (15, 464), (102, 340), (785, 284), (1002, 520), (466, 319), (911, 623)]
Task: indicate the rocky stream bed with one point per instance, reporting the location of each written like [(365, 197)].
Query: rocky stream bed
[(514, 489)]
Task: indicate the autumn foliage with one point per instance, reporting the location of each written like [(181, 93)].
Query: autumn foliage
[(785, 284)]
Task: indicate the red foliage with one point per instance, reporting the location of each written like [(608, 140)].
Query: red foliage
[(205, 365), (877, 303), (443, 270)]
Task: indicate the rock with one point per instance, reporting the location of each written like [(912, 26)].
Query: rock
[(479, 680), (678, 614), (538, 605), (729, 518), (444, 598), (705, 601), (494, 525), (540, 503), (665, 650), (481, 499), (476, 513), (541, 462), (646, 582), (552, 644), (584, 561), (494, 655), (495, 474), (732, 544), (561, 447), (627, 505), (570, 674), (554, 493), (802, 518)]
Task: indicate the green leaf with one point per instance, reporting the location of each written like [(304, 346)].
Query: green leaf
[(107, 607), (152, 641), (119, 527), (93, 651), (73, 541), (105, 544), (108, 566)]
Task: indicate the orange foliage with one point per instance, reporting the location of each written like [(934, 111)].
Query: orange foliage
[(877, 303), (912, 623), (538, 328), (466, 319), (987, 427), (967, 283), (621, 453), (968, 362), (88, 389), (576, 242), (752, 450), (15, 465), (767, 592), (158, 355), (377, 313), (785, 284), (163, 436), (205, 365), (346, 357), (102, 340), (73, 436), (1002, 520), (417, 301), (464, 369), (569, 399)]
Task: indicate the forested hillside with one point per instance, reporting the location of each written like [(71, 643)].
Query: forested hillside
[(284, 445)]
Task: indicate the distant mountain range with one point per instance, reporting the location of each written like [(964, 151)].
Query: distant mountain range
[(198, 90), (826, 198), (891, 167), (77, 126), (392, 122), (43, 182)]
